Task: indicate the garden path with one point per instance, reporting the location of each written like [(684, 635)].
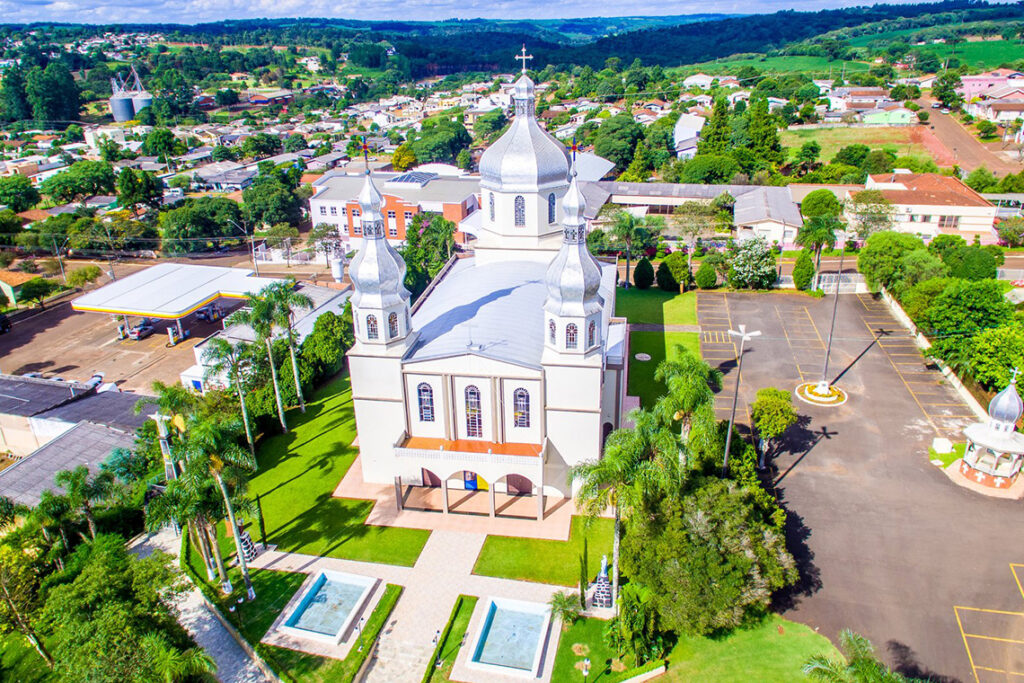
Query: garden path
[(234, 665), (443, 571)]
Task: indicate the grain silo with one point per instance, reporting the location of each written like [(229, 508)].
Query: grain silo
[(140, 98), (121, 105)]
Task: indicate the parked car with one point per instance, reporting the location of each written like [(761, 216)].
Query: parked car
[(142, 330), (209, 314), (936, 105), (945, 110), (5, 323)]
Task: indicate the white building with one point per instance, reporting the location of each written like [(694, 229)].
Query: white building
[(686, 135), (510, 368), (702, 81)]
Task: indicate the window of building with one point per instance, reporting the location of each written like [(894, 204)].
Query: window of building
[(551, 208), (392, 326), (371, 327), (392, 230), (426, 400), (591, 333), (474, 419), (520, 208), (391, 215), (408, 217), (949, 222), (334, 211), (570, 336), (926, 219), (551, 331), (492, 206), (323, 210), (357, 227), (521, 408), (356, 213)]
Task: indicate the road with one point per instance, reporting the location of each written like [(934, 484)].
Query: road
[(968, 151)]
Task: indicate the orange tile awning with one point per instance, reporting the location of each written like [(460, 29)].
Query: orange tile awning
[(531, 450)]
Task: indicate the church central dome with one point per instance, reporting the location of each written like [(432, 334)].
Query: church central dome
[(526, 158)]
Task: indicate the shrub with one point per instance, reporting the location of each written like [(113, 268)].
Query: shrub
[(994, 352), (917, 266), (963, 309), (997, 253), (666, 282), (942, 245), (676, 263), (880, 257), (803, 271), (706, 277), (821, 202), (753, 265), (6, 259), (971, 263), (919, 297), (643, 274), (83, 276), (27, 266), (1011, 231)]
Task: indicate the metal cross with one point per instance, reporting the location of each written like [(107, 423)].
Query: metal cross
[(523, 56), (1014, 377)]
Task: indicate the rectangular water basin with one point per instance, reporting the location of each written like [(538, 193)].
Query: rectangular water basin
[(512, 638), (330, 602)]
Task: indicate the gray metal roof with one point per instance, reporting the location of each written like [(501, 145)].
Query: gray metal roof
[(767, 203), (28, 396), (84, 444), (110, 408), (754, 203), (495, 311)]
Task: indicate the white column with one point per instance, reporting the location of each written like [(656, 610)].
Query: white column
[(490, 492), (540, 496), (444, 496), (398, 493)]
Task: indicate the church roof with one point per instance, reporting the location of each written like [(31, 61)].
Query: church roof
[(493, 310)]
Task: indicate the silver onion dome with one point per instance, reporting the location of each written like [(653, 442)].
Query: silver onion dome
[(574, 276), (1006, 407), (526, 158), (377, 271)]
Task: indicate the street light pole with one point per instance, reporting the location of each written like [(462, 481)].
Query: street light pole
[(252, 245), (824, 386), (60, 262), (744, 338)]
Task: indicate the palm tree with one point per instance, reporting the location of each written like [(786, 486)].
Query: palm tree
[(172, 664), (170, 400), (211, 446), (565, 606), (632, 230), (815, 234), (636, 462), (691, 383), (287, 301), (261, 316), (54, 510), (861, 665), (83, 491), (230, 359)]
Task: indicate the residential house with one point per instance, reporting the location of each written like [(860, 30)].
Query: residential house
[(702, 81), (997, 111), (972, 86), (892, 115), (11, 282), (686, 135)]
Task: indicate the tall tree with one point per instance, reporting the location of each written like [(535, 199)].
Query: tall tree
[(631, 230), (716, 136), (17, 192), (261, 315), (861, 664), (224, 358), (14, 105), (138, 187), (764, 132), (287, 300), (83, 491), (210, 446), (19, 598), (172, 664), (816, 234)]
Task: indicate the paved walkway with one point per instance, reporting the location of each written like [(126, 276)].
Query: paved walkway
[(443, 571), (233, 664), (656, 327)]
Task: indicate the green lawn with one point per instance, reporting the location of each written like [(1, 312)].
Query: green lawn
[(20, 662), (656, 307), (461, 614), (772, 651), (544, 561), (658, 346), (298, 472), (948, 458), (784, 64), (897, 140)]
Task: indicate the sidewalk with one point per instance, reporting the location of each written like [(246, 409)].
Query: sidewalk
[(233, 664)]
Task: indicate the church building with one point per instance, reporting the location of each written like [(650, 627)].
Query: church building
[(511, 367)]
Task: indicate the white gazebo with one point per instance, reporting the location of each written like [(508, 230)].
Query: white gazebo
[(995, 449)]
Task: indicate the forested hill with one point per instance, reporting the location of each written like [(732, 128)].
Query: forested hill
[(703, 41)]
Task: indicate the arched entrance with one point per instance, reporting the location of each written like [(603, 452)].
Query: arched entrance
[(430, 479)]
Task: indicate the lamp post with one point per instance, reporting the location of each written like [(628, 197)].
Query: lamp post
[(437, 637), (252, 244), (585, 669), (824, 387), (744, 338), (359, 632), (56, 252)]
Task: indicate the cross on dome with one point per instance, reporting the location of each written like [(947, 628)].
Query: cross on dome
[(1013, 377), (523, 56)]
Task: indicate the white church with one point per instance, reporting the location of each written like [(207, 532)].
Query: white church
[(511, 366)]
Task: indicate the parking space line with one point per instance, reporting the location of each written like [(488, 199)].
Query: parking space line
[(998, 671), (1001, 640), (970, 657), (909, 390)]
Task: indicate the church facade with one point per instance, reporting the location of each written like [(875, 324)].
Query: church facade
[(511, 367)]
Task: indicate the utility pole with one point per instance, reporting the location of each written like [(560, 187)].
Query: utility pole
[(824, 387), (744, 338), (60, 262)]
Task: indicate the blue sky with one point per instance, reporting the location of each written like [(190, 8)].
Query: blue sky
[(193, 11)]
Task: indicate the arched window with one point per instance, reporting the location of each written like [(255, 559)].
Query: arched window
[(551, 208), (591, 334), (392, 326), (521, 408), (474, 420), (551, 331), (371, 327), (492, 206), (520, 206), (570, 336), (426, 399)]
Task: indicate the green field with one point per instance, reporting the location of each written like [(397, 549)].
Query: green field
[(658, 345), (544, 561), (985, 54), (299, 471), (893, 139), (815, 66), (868, 38), (656, 307)]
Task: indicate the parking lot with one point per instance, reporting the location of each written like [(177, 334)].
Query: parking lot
[(887, 544), (60, 342)]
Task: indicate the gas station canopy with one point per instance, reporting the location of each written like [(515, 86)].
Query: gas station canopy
[(171, 291)]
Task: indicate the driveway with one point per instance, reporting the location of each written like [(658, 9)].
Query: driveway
[(888, 546)]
